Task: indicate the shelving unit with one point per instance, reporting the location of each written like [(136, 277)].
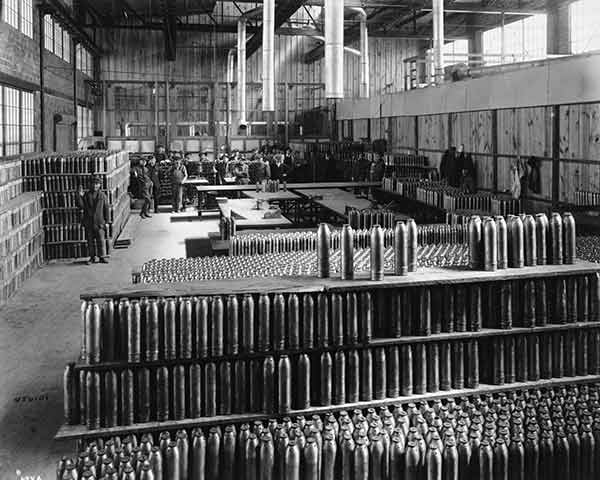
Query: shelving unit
[(435, 333), (59, 177)]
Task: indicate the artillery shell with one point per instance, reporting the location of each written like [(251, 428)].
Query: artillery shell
[(351, 318), (361, 460), (570, 239), (323, 246), (311, 459), (413, 246), (268, 384), (529, 299), (380, 374), (201, 328), (266, 456), (284, 391), (308, 330), (353, 389), (490, 245), (225, 393), (255, 385), (583, 291), (152, 330), (366, 319), (170, 329), (337, 320), (541, 238), (475, 316), (486, 461), (184, 454), (108, 331), (322, 320), (556, 239), (458, 365), (498, 371), (70, 395), (162, 397), (143, 395), (533, 344), (127, 397), (510, 360), (347, 253), (292, 461), (502, 237), (521, 358), (460, 320), (94, 335), (248, 323), (216, 326), (366, 375), (195, 398), (339, 378), (437, 305), (475, 243), (448, 309), (178, 392), (557, 355), (279, 322), (424, 311), (506, 305), (473, 364), (433, 367), (393, 372), (400, 249), (213, 455), (530, 234), (293, 311), (377, 251), (407, 370), (560, 303), (500, 459), (445, 366), (328, 457), (210, 390), (516, 243), (326, 379), (123, 322), (304, 385), (185, 329), (546, 357), (412, 461), (420, 368)]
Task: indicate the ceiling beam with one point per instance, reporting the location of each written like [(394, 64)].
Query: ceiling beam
[(170, 29), (283, 11)]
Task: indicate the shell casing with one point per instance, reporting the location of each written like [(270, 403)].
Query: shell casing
[(210, 390), (541, 312), (201, 327), (570, 239), (328, 457), (264, 323), (351, 318), (406, 360), (498, 370), (582, 352), (248, 323), (412, 470), (366, 317), (293, 311), (433, 367), (424, 311), (178, 392), (502, 238), (266, 456), (322, 320), (110, 416), (458, 365), (310, 459), (162, 397), (530, 236), (413, 245), (323, 250), (500, 459), (337, 320), (85, 325), (529, 300), (380, 374), (437, 303), (558, 366), (506, 306), (377, 253), (224, 405), (184, 454), (339, 378), (472, 362), (533, 357), (490, 245), (232, 326), (460, 319), (393, 372), (279, 332), (284, 390), (170, 330), (268, 385), (292, 461), (126, 397), (152, 331), (353, 390), (401, 249), (70, 395), (185, 329), (570, 354), (216, 326), (303, 382), (366, 375), (583, 291), (521, 358), (347, 253), (124, 312), (560, 301), (448, 325), (475, 314), (546, 356), (308, 316), (486, 461), (213, 455), (516, 243), (108, 331), (475, 243), (143, 389), (510, 360), (326, 379), (445, 366), (195, 397), (541, 237), (255, 385), (282, 440), (555, 238), (420, 368), (361, 460)]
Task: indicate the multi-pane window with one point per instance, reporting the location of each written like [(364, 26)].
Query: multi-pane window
[(17, 129), (456, 52), (19, 14), (27, 123), (84, 60), (12, 121), (584, 18), (85, 127), (56, 39), (523, 40)]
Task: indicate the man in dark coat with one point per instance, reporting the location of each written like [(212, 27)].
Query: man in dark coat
[(94, 219), (178, 176), (153, 173), (145, 189)]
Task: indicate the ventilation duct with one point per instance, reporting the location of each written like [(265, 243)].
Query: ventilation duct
[(364, 52), (268, 64), (241, 70), (334, 48), (438, 40)]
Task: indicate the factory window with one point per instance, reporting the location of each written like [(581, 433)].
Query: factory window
[(84, 61), (48, 33), (27, 123), (57, 40), (66, 56), (584, 18), (10, 12), (523, 40), (12, 121), (456, 52), (85, 127), (27, 17), (19, 14)]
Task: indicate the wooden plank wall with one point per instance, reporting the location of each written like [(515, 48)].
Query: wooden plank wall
[(521, 132), (579, 149)]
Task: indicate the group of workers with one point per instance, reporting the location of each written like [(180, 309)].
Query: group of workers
[(458, 169)]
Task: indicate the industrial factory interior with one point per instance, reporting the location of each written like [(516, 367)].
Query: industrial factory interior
[(299, 239)]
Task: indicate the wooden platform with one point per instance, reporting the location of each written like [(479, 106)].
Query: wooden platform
[(424, 276), (268, 196), (250, 216), (74, 432), (336, 200)]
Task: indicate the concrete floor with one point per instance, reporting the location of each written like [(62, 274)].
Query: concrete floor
[(40, 333)]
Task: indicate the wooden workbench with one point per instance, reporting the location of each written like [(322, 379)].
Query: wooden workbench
[(202, 187), (268, 196), (251, 218), (335, 199)]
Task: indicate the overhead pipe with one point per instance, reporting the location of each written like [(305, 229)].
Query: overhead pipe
[(334, 48), (364, 52), (230, 69), (268, 64), (438, 40), (241, 70)]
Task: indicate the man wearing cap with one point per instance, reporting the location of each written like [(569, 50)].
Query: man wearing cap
[(178, 175), (94, 219)]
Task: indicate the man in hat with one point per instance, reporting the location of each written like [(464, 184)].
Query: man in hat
[(145, 189), (94, 219), (178, 175), (153, 173)]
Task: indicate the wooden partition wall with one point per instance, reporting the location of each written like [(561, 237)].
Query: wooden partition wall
[(497, 137)]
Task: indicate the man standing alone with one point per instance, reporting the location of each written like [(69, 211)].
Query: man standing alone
[(178, 175), (155, 177), (95, 220)]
